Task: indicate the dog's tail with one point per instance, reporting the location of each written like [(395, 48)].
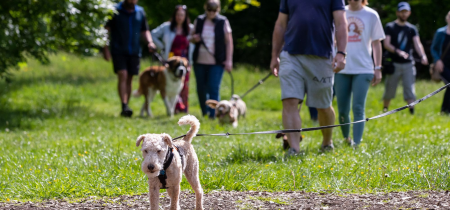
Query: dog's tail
[(137, 93), (195, 125)]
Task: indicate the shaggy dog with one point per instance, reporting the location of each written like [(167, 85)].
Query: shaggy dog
[(165, 161), (229, 111), (167, 79)]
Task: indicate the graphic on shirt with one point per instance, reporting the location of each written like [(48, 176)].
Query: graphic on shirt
[(402, 36), (355, 29)]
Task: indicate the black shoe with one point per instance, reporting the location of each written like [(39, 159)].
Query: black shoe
[(126, 112), (411, 110)]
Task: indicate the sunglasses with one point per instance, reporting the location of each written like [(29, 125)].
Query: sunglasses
[(211, 9), (184, 7), (352, 0)]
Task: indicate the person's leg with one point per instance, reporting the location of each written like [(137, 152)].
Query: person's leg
[(181, 105), (292, 120), (343, 87), (408, 80), (326, 117), (446, 101), (360, 87), (313, 113), (391, 84), (122, 87), (200, 76), (214, 80)]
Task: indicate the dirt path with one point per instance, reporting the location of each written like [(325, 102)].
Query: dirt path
[(259, 200)]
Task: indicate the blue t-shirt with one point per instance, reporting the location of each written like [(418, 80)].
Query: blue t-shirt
[(310, 26), (125, 29)]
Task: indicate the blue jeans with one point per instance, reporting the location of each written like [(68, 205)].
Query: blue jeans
[(208, 79), (346, 85)]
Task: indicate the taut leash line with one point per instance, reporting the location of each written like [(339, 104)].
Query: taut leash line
[(327, 126), (259, 83)]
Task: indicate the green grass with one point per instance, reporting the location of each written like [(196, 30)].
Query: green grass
[(61, 136)]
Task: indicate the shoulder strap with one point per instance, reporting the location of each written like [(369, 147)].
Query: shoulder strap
[(445, 51)]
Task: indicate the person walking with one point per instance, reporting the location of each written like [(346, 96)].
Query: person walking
[(126, 28), (172, 38), (212, 54), (401, 37), (306, 64), (440, 50), (365, 33)]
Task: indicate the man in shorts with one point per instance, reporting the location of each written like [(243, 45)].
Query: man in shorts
[(125, 29), (401, 36), (306, 65)]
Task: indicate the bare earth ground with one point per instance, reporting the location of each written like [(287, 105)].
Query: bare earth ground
[(258, 200)]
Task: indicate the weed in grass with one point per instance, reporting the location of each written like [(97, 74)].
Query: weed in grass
[(64, 117)]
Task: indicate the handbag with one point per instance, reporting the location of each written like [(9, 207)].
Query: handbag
[(388, 64), (435, 74)]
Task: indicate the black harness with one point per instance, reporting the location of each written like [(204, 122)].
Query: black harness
[(168, 160)]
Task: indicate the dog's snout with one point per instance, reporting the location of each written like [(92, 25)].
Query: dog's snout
[(150, 167)]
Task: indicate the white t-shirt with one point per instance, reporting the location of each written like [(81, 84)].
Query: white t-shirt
[(208, 36), (364, 26)]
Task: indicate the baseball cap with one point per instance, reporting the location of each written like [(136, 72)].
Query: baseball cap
[(403, 6)]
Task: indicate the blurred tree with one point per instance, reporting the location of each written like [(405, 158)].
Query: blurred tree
[(38, 27)]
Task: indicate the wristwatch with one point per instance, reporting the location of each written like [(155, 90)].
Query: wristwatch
[(343, 53), (378, 67)]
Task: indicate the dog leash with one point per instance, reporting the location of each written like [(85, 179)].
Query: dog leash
[(257, 84), (327, 126)]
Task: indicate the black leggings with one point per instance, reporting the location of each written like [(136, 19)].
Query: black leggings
[(446, 102)]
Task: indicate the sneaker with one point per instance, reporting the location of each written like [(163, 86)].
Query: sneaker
[(327, 148), (349, 141), (291, 153), (411, 111), (126, 112), (285, 142)]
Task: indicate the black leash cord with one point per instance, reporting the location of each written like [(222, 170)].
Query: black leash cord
[(327, 126), (257, 84)]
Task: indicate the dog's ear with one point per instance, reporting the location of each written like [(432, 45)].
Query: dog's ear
[(139, 139), (167, 139), (171, 63), (212, 103)]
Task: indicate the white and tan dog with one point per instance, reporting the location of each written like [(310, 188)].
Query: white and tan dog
[(229, 111), (168, 80), (165, 161)]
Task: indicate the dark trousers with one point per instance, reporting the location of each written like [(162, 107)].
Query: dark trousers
[(446, 102), (208, 79)]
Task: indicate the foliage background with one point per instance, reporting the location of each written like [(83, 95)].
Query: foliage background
[(38, 27)]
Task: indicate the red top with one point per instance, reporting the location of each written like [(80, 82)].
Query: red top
[(180, 46)]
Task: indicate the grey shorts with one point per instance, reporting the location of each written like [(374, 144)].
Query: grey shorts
[(307, 74), (405, 72)]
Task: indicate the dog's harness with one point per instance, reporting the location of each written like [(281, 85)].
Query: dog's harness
[(167, 161)]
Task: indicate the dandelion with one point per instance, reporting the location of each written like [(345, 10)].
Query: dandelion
[(123, 177), (49, 182), (135, 158), (329, 185), (85, 152), (20, 166), (132, 173), (89, 170), (66, 169), (49, 169), (79, 154), (395, 170), (420, 171), (331, 168), (304, 176), (403, 168), (379, 168), (267, 165), (7, 199), (407, 167), (205, 169), (31, 169), (238, 171), (362, 172), (367, 180), (418, 166), (99, 171), (253, 177), (95, 166), (208, 155), (82, 155), (320, 166)]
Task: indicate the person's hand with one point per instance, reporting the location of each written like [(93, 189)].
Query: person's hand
[(338, 62), (402, 54), (376, 77), (151, 47), (424, 60), (196, 38), (106, 53), (439, 66), (228, 65), (275, 65)]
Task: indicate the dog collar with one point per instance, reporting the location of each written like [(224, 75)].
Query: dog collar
[(167, 161)]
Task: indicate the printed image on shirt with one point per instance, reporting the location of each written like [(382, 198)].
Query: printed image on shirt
[(355, 29), (402, 40)]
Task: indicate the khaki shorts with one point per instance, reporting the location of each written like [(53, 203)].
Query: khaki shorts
[(405, 72), (307, 74)]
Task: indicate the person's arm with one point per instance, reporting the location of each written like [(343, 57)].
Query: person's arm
[(278, 41), (377, 53), (106, 52), (195, 38), (419, 49), (340, 21), (389, 47), (435, 52), (157, 34), (145, 32), (229, 47)]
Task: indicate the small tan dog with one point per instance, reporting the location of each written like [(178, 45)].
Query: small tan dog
[(229, 111), (167, 79), (165, 161)]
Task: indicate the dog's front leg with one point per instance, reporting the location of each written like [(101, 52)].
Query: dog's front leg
[(153, 192), (168, 106), (174, 194)]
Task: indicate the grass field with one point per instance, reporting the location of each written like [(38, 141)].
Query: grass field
[(61, 136)]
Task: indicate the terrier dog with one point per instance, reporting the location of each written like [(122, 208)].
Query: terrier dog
[(167, 79), (229, 111), (165, 161)]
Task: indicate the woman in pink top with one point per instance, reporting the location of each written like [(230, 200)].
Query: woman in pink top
[(213, 53)]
